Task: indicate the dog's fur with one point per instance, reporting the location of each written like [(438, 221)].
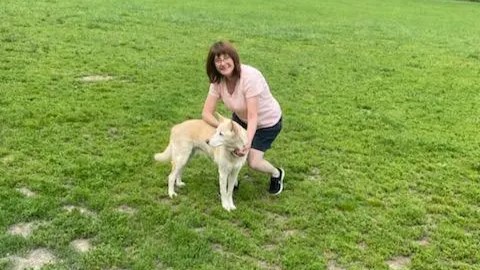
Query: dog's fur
[(219, 143)]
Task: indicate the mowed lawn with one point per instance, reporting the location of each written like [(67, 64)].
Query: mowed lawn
[(380, 142)]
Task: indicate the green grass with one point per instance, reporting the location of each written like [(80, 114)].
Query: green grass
[(380, 141)]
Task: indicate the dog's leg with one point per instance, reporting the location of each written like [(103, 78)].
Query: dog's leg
[(179, 160), (232, 181), (223, 178), (236, 182), (178, 181), (171, 182)]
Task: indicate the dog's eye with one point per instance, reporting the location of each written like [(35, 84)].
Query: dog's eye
[(221, 133)]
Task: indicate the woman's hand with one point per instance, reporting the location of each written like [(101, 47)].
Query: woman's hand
[(243, 151)]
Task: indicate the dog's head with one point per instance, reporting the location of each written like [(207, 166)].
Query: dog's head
[(228, 133)]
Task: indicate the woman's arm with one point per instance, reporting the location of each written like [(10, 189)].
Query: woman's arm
[(209, 108), (252, 115)]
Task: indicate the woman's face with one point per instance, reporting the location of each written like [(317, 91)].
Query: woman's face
[(224, 64)]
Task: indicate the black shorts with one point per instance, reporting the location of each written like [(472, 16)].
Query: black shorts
[(264, 137)]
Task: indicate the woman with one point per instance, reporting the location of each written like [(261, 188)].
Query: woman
[(245, 92)]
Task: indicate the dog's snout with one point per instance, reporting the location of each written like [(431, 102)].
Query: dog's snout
[(207, 141)]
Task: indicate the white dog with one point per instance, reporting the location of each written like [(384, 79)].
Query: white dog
[(219, 143)]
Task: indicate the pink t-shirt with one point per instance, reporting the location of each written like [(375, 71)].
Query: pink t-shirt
[(251, 83)]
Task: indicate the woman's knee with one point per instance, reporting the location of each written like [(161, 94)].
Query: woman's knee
[(252, 162), (255, 162)]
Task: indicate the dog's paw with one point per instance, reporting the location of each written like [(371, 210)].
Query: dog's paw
[(226, 206), (180, 184), (232, 205), (229, 207), (172, 194)]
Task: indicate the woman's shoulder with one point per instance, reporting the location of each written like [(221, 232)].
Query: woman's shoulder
[(249, 71)]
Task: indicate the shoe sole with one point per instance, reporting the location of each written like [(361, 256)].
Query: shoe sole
[(281, 183)]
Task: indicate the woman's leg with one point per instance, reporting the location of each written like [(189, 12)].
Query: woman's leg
[(262, 141), (256, 162)]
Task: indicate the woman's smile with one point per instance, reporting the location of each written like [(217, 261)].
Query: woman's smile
[(224, 64)]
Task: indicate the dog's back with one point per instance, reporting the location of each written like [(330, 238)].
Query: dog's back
[(195, 130), (189, 134)]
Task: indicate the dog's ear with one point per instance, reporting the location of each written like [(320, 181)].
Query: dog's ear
[(234, 128), (219, 117)]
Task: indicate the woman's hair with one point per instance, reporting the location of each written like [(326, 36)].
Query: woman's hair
[(217, 49)]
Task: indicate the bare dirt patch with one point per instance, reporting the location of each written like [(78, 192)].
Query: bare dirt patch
[(243, 229), (264, 265), (199, 229), (332, 265), (290, 233), (270, 247), (26, 192), (127, 210), (7, 159), (399, 262), (424, 241), (22, 229), (331, 262), (96, 78), (218, 248), (81, 210), (314, 174), (276, 218), (36, 259), (81, 245), (362, 245)]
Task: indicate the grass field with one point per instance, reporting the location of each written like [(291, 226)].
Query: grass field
[(380, 141)]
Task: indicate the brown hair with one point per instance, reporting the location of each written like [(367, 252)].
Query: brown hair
[(218, 48)]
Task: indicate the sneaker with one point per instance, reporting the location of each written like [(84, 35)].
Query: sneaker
[(276, 183)]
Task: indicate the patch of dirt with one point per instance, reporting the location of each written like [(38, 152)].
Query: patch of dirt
[(160, 265), (266, 266), (276, 218), (81, 245), (199, 229), (218, 248), (83, 211), (332, 265), (22, 229), (36, 259), (314, 174), (7, 159), (96, 78), (424, 241), (362, 245), (165, 200), (174, 204), (290, 233), (26, 192), (399, 262), (113, 132), (242, 228), (127, 210), (269, 247)]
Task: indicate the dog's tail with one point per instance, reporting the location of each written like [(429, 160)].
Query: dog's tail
[(166, 155)]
